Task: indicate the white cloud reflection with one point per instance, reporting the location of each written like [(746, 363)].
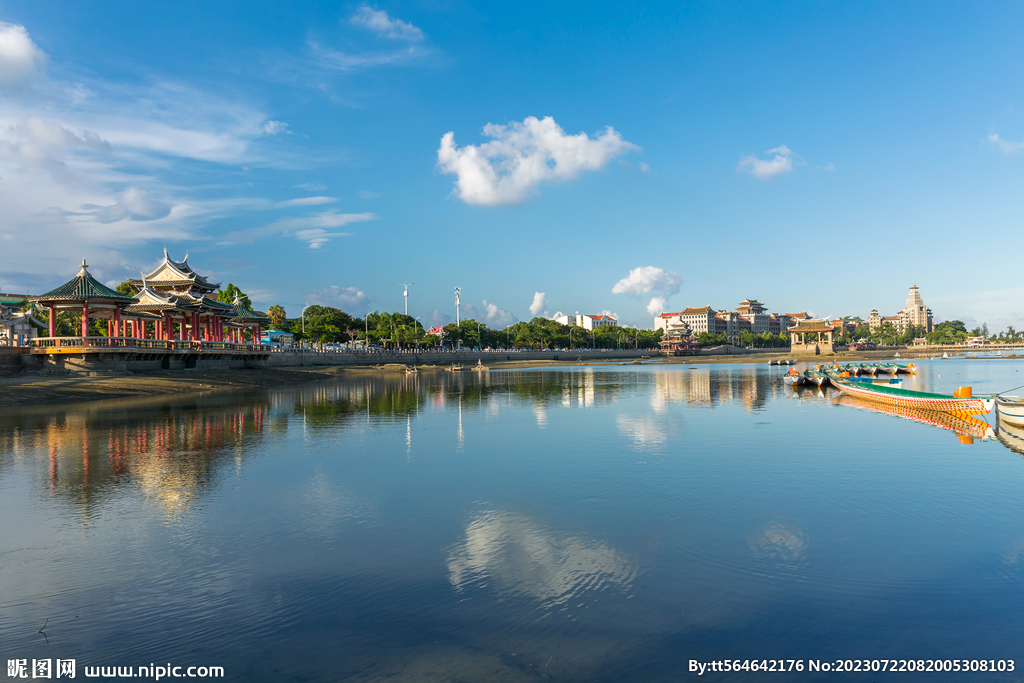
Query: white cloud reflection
[(519, 556)]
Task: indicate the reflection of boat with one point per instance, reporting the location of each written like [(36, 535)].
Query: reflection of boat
[(962, 402), (1011, 435), (1010, 410), (969, 428)]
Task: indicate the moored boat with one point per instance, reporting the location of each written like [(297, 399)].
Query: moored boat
[(961, 403), (1010, 409), (816, 376), (794, 378)]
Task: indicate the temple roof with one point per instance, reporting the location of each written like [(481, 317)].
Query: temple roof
[(81, 288), (171, 273)]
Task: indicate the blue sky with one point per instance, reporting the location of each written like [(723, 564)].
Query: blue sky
[(544, 157)]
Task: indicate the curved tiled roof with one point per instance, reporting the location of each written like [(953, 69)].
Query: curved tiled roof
[(243, 313), (81, 288), (177, 273)]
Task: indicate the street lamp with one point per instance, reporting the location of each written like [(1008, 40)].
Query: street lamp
[(570, 339)]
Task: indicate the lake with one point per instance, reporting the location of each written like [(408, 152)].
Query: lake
[(589, 523)]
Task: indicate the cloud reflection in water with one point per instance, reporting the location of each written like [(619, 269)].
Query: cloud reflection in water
[(520, 557)]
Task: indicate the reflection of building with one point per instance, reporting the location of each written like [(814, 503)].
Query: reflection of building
[(914, 314)]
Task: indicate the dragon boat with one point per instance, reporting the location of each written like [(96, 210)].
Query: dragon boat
[(962, 402)]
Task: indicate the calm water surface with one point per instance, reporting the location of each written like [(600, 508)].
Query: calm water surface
[(605, 524)]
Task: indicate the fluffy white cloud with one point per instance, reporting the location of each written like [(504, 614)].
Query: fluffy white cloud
[(539, 302), (20, 58), (379, 22), (647, 279), (763, 170), (307, 201), (521, 156), (1005, 146), (310, 229), (348, 299)]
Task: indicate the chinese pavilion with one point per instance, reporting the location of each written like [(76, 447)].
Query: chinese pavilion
[(171, 304)]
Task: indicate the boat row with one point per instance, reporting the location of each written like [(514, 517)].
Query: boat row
[(784, 361), (876, 369), (1010, 409)]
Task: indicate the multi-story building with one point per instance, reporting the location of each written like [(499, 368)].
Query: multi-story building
[(587, 322), (914, 314), (751, 316)]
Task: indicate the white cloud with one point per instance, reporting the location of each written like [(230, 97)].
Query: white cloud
[(275, 128), (20, 58), (438, 319), (646, 279), (307, 201), (539, 302), (489, 313), (1005, 146), (133, 204), (521, 156), (348, 299), (310, 229), (312, 187), (764, 170), (379, 22)]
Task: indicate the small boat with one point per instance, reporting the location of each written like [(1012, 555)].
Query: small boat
[(960, 403), (889, 369), (794, 379), (816, 376), (1010, 410), (868, 368), (411, 370), (851, 368), (456, 367)]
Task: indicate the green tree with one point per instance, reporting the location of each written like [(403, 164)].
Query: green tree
[(278, 317), (126, 288), (227, 296)]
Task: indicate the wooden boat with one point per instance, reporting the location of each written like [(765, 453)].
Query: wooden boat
[(480, 367), (794, 378), (1010, 410), (411, 370), (868, 368), (816, 376), (961, 403), (851, 368), (888, 369), (456, 367)]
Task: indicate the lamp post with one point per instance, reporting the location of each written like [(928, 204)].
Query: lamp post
[(570, 339), (416, 327), (303, 316), (458, 319), (406, 294), (479, 342)]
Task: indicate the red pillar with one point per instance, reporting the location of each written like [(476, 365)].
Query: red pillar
[(110, 328), (53, 321), (259, 333), (117, 322), (85, 320)]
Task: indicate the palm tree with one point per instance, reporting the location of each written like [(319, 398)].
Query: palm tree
[(277, 315)]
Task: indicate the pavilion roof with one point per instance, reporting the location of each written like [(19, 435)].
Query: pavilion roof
[(171, 273), (243, 313), (811, 326), (704, 310), (83, 287), (149, 300)]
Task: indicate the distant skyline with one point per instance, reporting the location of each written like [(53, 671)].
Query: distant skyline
[(544, 158)]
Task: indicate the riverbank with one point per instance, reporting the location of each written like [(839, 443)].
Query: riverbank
[(44, 389)]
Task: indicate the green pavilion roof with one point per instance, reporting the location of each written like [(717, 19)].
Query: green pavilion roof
[(243, 313), (83, 287)]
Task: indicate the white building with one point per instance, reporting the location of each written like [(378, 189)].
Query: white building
[(587, 322)]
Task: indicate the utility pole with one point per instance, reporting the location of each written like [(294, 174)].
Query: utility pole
[(406, 295), (458, 293)]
